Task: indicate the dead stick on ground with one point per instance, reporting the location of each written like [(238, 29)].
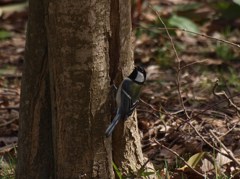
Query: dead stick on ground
[(175, 153), (229, 152)]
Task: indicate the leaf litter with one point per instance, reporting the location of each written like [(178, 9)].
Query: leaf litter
[(13, 18), (165, 128), (209, 81)]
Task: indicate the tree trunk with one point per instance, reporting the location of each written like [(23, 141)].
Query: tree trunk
[(35, 151), (75, 50), (78, 55), (127, 152)]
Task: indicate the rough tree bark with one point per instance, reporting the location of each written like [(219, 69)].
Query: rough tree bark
[(78, 55), (127, 152), (35, 126), (75, 50)]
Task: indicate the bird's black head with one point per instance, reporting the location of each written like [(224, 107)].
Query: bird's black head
[(138, 75)]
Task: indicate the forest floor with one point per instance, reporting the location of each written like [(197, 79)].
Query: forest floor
[(189, 111)]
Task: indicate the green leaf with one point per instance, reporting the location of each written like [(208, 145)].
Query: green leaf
[(193, 161), (237, 2), (222, 5), (117, 171), (183, 23), (4, 34), (146, 174), (188, 6)]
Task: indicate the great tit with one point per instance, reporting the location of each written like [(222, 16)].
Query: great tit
[(127, 96)]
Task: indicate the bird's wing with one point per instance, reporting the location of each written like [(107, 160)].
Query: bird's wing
[(127, 105)]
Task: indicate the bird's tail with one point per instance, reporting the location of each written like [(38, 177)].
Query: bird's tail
[(112, 125)]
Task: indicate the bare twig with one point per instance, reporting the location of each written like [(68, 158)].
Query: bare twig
[(9, 108), (147, 111), (151, 106), (8, 122), (12, 117), (203, 139), (228, 131), (195, 33), (175, 153), (7, 148), (178, 62), (208, 107), (211, 106), (190, 64), (229, 152), (223, 93)]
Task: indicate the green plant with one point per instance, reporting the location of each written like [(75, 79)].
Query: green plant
[(118, 172), (224, 52), (228, 9), (163, 57), (7, 168), (4, 34), (183, 23), (233, 79), (229, 77)]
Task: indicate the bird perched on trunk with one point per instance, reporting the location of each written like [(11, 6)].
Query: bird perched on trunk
[(127, 96)]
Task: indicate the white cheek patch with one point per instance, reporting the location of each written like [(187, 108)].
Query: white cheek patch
[(140, 77)]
